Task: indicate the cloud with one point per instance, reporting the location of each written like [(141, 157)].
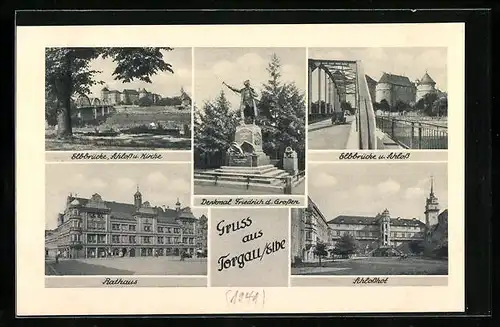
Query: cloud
[(388, 187), (125, 183), (96, 183), (158, 181), (322, 180), (413, 192)]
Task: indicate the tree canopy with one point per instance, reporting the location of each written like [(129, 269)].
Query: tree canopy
[(68, 72), (346, 245)]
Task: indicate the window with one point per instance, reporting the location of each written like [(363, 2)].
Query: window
[(169, 230), (176, 240), (146, 239), (131, 228), (160, 229), (169, 240), (115, 239), (147, 228), (115, 226), (160, 239), (184, 240), (91, 238), (101, 238), (191, 241), (176, 230), (131, 239), (308, 235)]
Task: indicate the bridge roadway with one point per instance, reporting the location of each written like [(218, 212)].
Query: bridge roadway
[(323, 135)]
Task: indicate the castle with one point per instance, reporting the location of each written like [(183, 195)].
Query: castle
[(393, 88), (378, 235), (128, 96)]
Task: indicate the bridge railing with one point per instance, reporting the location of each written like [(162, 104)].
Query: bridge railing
[(413, 134), (366, 114)]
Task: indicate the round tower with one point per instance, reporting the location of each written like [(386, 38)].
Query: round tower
[(383, 90), (137, 198), (385, 228), (425, 86), (431, 207)]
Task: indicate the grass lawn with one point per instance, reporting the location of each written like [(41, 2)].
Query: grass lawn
[(375, 266)]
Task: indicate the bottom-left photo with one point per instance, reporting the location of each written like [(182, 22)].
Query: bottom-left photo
[(123, 219)]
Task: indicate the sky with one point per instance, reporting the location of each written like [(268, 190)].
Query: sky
[(165, 84), (411, 62), (160, 184), (367, 189), (235, 65)]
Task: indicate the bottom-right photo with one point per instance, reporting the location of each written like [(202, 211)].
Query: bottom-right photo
[(372, 219)]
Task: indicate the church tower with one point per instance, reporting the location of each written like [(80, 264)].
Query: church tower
[(431, 207), (137, 199)]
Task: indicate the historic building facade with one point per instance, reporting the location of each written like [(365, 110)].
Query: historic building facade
[(308, 228), (375, 235), (128, 96), (92, 228), (393, 88), (425, 86)]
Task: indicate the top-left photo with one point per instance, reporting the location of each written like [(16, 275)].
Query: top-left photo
[(118, 99)]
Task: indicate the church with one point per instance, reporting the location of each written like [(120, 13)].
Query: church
[(94, 228), (378, 235)]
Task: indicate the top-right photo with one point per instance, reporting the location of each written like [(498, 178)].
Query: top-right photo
[(377, 98)]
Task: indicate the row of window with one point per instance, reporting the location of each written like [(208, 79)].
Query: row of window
[(373, 234), (131, 239), (145, 228)]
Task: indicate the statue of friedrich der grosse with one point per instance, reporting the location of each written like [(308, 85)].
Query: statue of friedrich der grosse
[(248, 104)]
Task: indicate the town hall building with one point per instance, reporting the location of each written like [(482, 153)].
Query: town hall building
[(94, 228)]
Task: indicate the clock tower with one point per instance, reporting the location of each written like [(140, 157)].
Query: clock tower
[(431, 208)]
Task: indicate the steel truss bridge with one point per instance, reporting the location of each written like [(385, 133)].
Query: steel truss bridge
[(343, 81)]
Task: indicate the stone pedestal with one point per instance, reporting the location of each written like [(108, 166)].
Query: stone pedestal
[(249, 138), (290, 162)]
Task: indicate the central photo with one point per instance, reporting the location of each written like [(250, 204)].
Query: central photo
[(249, 121)]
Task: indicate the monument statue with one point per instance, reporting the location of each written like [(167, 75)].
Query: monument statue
[(248, 104)]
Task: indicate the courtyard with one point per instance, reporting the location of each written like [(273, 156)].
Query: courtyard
[(374, 266), (128, 266)]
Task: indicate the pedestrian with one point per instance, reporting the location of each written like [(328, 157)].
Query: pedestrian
[(57, 257)]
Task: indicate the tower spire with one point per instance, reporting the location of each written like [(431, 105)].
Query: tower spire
[(432, 185)]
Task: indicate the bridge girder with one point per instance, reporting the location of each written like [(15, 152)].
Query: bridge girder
[(342, 72)]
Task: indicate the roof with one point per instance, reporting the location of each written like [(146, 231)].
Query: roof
[(126, 211), (130, 91), (105, 89), (395, 80), (426, 79), (370, 80), (364, 220)]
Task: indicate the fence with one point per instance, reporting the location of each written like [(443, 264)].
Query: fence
[(414, 134), (218, 159), (286, 182)]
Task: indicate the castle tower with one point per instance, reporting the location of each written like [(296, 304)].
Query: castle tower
[(137, 199), (385, 228), (425, 86), (431, 207), (383, 90)]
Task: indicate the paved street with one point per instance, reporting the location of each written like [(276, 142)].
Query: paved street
[(325, 136), (375, 266), (128, 266)]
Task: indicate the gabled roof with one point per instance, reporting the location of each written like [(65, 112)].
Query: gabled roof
[(105, 89), (130, 91), (395, 80), (426, 79), (370, 80)]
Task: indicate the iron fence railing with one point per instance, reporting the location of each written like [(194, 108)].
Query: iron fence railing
[(413, 134)]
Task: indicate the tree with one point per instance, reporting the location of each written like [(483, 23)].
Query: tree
[(282, 113), (440, 107), (67, 73), (425, 104), (416, 247), (214, 126), (400, 106), (384, 105), (346, 106), (320, 251), (345, 246), (145, 102)]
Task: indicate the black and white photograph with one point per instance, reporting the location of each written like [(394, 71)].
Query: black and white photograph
[(123, 219), (118, 99), (377, 98), (372, 219), (249, 123)]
